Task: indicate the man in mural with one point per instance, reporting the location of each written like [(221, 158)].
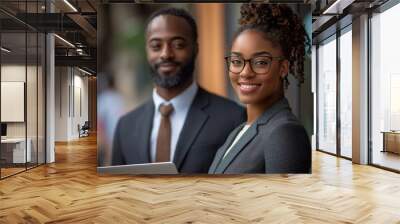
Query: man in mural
[(182, 122)]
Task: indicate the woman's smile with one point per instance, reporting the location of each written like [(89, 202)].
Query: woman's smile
[(248, 88)]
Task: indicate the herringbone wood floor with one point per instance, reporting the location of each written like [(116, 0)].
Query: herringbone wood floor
[(70, 191)]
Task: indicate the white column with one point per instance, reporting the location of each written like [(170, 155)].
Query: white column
[(360, 90), (50, 94)]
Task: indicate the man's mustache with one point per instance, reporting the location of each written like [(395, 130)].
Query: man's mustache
[(157, 65)]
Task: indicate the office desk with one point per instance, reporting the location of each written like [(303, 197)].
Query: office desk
[(391, 141), (15, 148)]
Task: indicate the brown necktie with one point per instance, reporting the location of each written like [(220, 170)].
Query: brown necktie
[(164, 134)]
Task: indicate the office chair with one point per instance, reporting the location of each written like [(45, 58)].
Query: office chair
[(84, 130)]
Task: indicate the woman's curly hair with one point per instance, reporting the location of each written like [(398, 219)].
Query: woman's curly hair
[(281, 26)]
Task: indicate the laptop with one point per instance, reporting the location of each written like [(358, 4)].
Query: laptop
[(138, 169)]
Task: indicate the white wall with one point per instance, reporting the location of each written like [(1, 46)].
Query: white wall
[(12, 100), (61, 103), (71, 94), (16, 73)]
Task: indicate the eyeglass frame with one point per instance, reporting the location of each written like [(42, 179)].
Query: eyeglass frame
[(278, 58)]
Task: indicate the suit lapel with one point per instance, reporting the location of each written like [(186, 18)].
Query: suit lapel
[(280, 105), (143, 132), (221, 152), (237, 148), (195, 120)]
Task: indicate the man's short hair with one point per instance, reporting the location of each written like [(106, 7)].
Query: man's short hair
[(178, 12)]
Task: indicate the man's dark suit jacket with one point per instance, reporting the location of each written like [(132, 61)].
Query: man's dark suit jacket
[(275, 143), (209, 121)]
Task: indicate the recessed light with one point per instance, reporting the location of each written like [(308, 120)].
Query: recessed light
[(5, 50), (84, 71), (64, 40), (70, 5)]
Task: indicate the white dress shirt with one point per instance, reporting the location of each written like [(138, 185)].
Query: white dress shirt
[(237, 138), (181, 104)]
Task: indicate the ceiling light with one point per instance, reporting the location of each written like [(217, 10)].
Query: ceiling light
[(64, 40), (70, 5), (5, 49)]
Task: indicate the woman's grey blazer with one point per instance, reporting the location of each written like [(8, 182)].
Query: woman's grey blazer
[(275, 143)]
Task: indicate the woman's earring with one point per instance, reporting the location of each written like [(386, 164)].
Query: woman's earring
[(285, 81)]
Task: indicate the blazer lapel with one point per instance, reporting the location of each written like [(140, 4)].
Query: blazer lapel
[(237, 148), (143, 132), (195, 120), (221, 152), (280, 105)]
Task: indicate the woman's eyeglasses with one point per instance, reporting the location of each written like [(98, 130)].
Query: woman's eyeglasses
[(259, 65)]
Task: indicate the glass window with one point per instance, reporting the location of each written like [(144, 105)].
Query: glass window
[(14, 148), (313, 88), (385, 89), (31, 99), (327, 96), (346, 94), (22, 92)]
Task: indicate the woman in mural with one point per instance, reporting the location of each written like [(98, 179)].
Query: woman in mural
[(269, 45)]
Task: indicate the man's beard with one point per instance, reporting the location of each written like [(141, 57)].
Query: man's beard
[(182, 76)]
